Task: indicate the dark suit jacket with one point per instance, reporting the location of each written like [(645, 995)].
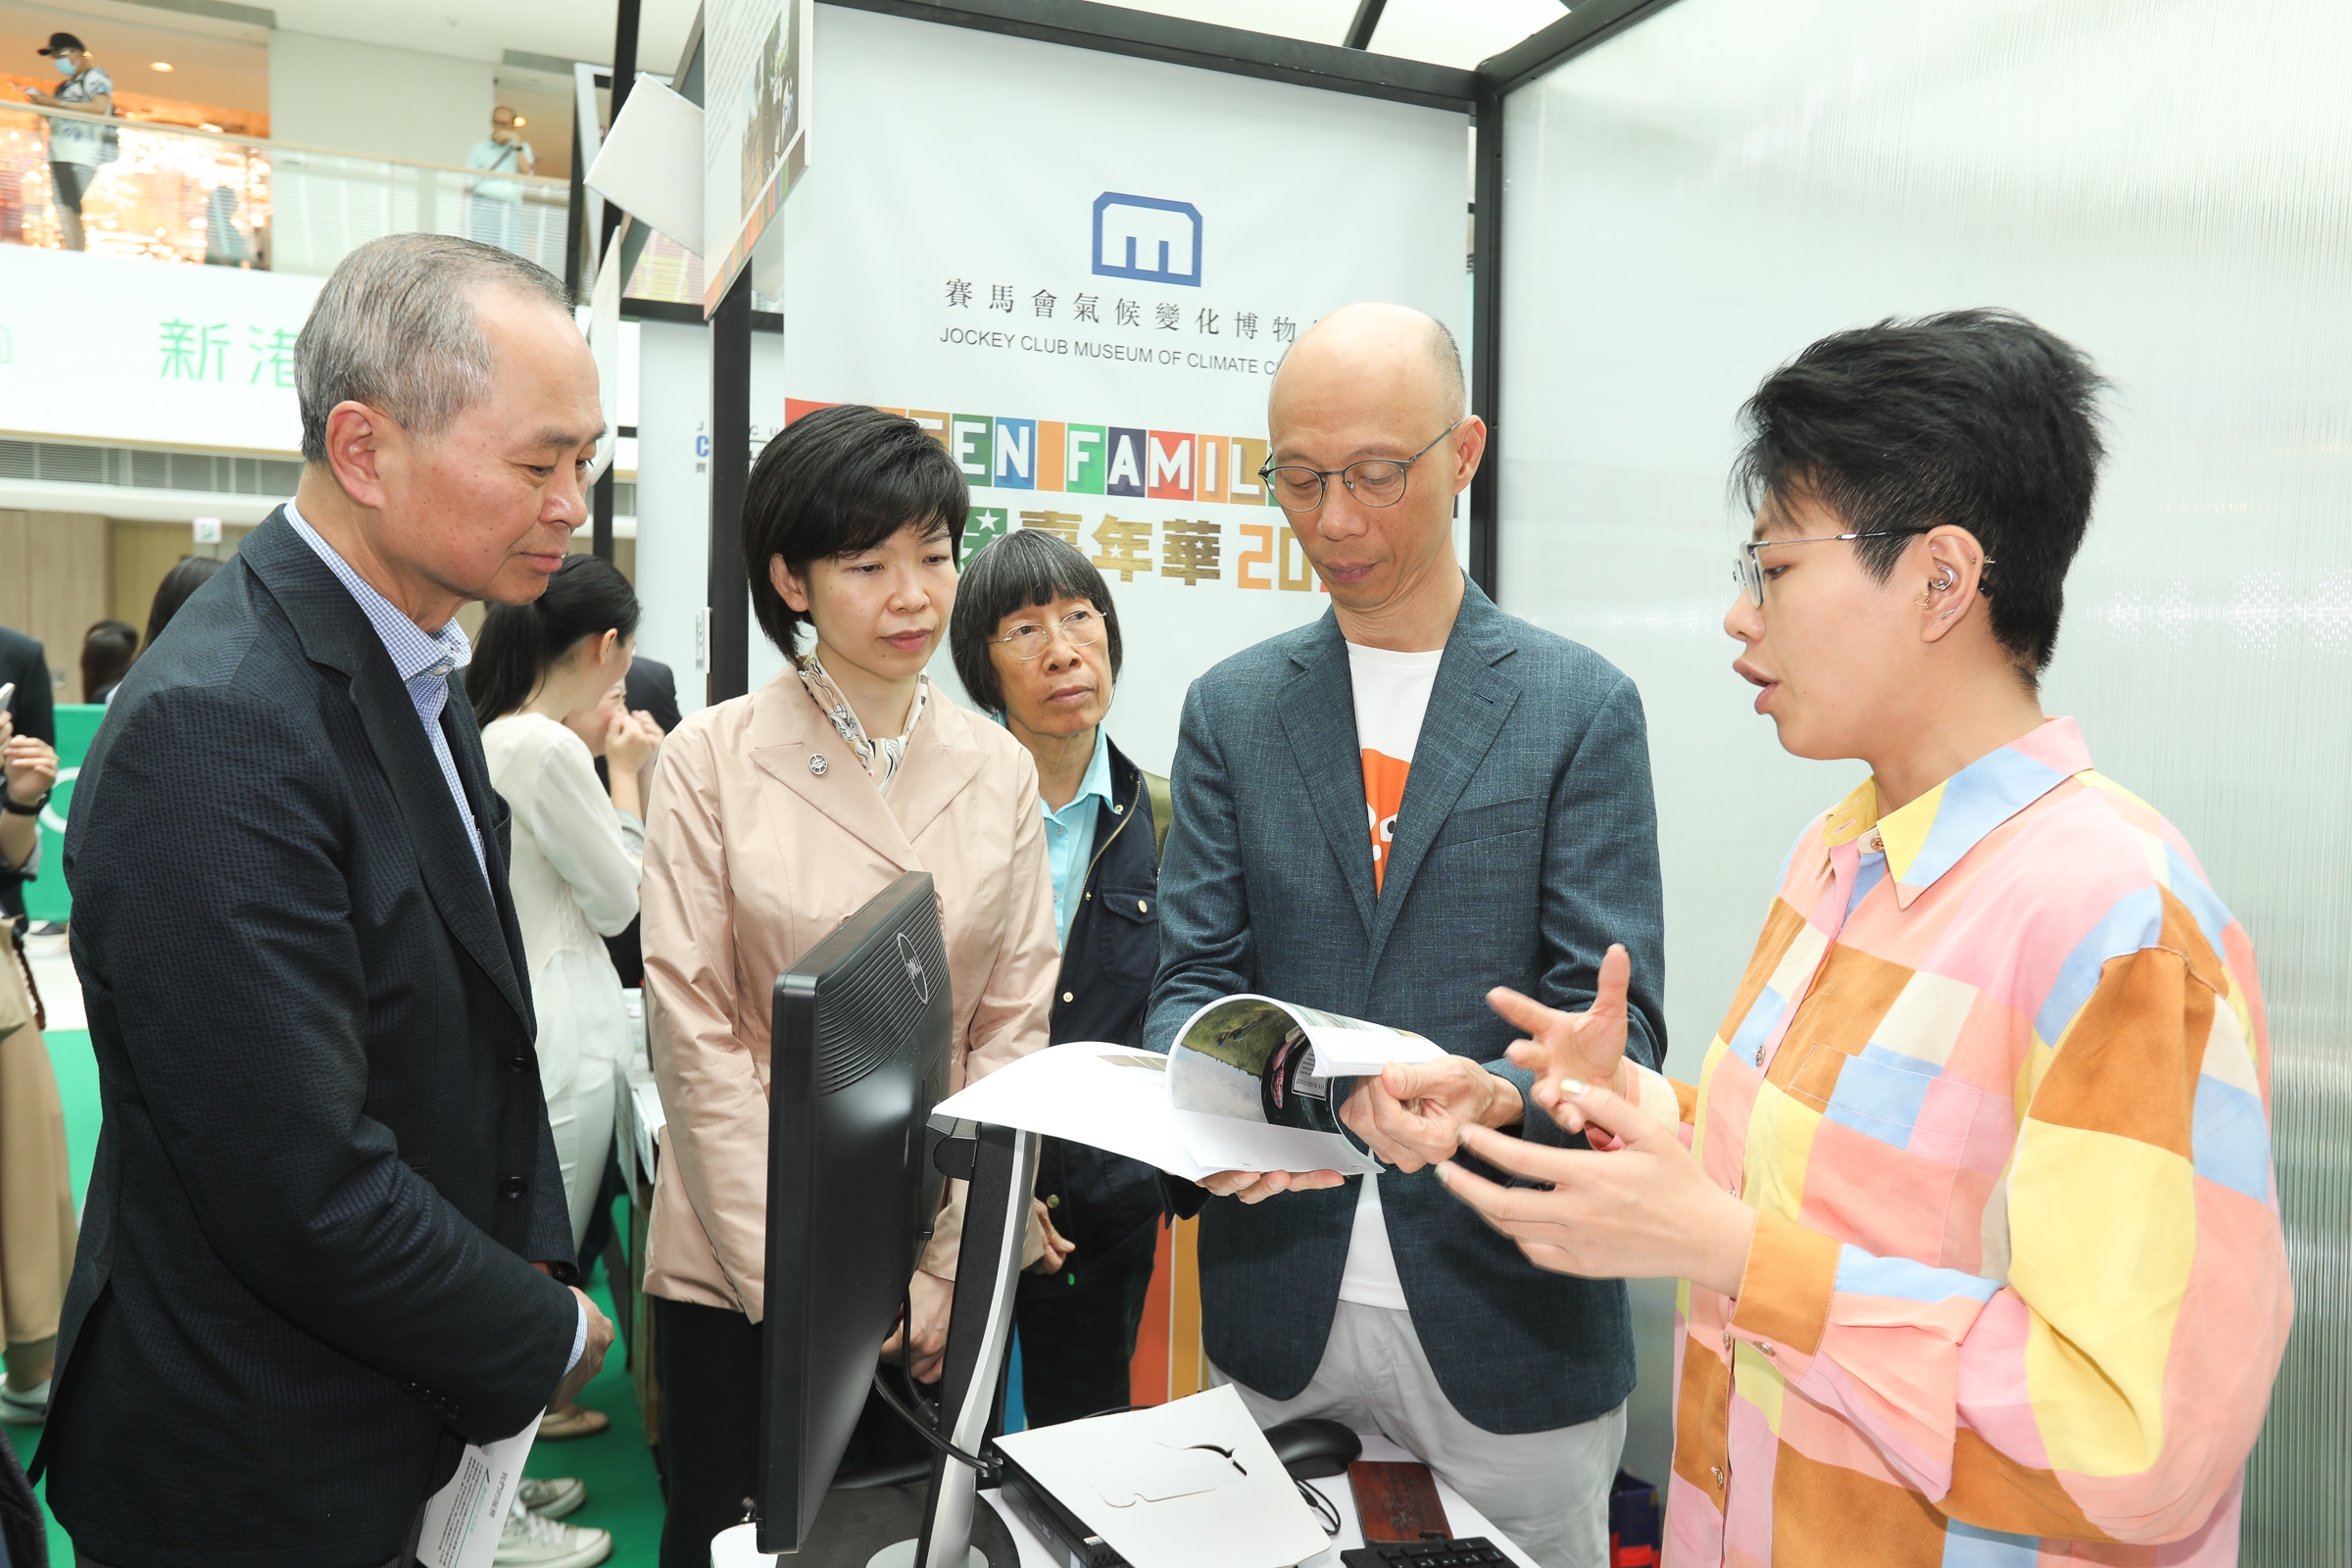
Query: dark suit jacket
[(1527, 842), (325, 1158), (1102, 1200), (652, 689), (34, 708)]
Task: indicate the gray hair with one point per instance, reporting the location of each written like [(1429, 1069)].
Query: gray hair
[(395, 328)]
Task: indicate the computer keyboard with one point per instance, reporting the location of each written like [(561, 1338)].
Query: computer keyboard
[(1470, 1551)]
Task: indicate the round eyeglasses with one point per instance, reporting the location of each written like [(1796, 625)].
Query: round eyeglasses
[(1373, 481), (1080, 628)]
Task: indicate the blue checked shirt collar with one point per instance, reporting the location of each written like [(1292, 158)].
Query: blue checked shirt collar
[(424, 661)]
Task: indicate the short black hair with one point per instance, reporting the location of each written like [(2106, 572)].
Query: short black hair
[(1978, 418), (1024, 570), (841, 479)]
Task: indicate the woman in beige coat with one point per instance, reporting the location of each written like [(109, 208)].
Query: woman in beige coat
[(773, 817), (36, 1195)]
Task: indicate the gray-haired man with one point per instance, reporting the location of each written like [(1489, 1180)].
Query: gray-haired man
[(306, 1269)]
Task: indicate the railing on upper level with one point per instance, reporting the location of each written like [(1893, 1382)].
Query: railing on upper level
[(175, 194)]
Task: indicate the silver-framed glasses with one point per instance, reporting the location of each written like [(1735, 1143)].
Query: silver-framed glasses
[(1748, 572), (1080, 628)]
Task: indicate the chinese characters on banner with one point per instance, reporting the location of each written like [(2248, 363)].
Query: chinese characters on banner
[(1191, 551), (193, 351), (1207, 321)]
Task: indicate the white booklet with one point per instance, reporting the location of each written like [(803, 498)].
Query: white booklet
[(1245, 1087), (464, 1519), (1190, 1484)]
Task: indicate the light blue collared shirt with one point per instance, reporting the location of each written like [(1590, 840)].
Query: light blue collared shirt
[(424, 660), (1070, 836)]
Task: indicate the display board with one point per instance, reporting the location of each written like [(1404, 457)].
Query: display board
[(754, 126), (1079, 271), (122, 349)]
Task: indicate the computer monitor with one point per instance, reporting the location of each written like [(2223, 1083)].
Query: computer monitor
[(860, 1054)]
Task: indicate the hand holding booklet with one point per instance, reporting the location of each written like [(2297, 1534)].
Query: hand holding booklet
[(1248, 1086), (463, 1521)]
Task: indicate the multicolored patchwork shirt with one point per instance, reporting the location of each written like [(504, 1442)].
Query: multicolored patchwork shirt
[(1997, 1084)]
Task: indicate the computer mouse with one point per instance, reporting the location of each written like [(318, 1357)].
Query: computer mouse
[(1314, 1448)]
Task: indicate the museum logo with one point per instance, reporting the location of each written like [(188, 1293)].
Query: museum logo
[(1147, 238)]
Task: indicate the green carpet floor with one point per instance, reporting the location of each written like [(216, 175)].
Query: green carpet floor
[(623, 1495)]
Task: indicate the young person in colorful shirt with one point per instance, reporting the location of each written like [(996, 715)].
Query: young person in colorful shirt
[(1972, 1200)]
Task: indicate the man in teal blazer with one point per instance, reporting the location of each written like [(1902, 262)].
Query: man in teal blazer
[(1386, 814)]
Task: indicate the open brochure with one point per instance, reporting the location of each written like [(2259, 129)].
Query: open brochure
[(1246, 1086)]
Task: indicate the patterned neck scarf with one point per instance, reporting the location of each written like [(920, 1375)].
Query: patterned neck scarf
[(880, 759)]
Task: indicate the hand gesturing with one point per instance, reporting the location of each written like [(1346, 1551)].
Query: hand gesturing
[(1573, 1048)]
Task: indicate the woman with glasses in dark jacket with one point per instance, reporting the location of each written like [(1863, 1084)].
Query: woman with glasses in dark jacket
[(1036, 642)]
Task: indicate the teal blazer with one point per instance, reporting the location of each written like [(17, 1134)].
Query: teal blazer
[(1526, 843)]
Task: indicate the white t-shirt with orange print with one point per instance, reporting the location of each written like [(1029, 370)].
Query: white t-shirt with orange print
[(1391, 696)]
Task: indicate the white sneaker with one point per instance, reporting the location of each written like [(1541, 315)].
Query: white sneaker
[(531, 1542), (26, 1408), (552, 1498)]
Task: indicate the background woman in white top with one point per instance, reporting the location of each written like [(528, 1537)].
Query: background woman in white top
[(546, 684)]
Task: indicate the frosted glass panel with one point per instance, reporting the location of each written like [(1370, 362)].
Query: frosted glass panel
[(2168, 185)]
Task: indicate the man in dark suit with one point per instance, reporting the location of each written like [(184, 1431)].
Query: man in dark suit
[(25, 665), (326, 1237), (32, 708), (1386, 814)]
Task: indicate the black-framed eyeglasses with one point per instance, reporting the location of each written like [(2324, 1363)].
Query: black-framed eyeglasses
[(1748, 572), (1373, 481), (1080, 628)]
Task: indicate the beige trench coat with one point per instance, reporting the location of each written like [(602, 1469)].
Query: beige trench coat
[(36, 1190), (752, 857)]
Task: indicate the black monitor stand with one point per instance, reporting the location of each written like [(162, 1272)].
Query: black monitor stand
[(1000, 1164)]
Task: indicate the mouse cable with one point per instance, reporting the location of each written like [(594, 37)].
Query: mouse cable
[(915, 1410), (1327, 1512), (987, 1469)]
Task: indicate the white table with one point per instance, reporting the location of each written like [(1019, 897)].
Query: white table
[(1463, 1519), (734, 1548)]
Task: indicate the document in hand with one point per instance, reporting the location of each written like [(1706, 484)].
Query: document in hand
[(464, 1519), (1245, 1087)]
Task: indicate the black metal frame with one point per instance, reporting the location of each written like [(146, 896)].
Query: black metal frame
[(1348, 67), (730, 606), (1234, 51)]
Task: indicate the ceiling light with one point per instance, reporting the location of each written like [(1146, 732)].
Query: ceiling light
[(159, 65), (519, 121)]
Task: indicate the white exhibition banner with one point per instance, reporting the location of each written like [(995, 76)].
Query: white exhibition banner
[(754, 126), (1079, 270), (123, 349)]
